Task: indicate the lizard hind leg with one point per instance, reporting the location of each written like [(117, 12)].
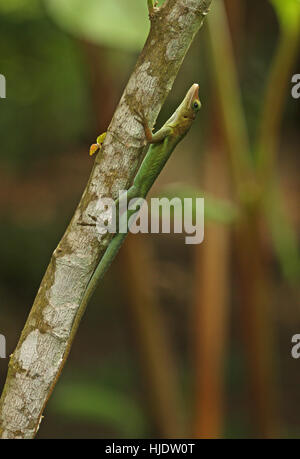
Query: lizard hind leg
[(132, 192)]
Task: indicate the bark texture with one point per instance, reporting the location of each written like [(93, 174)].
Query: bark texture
[(36, 363)]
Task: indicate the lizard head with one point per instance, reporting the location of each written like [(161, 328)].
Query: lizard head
[(191, 103), (185, 114)]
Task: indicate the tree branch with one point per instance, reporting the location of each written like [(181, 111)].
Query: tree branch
[(44, 343)]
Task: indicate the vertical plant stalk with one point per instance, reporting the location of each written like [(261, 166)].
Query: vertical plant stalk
[(254, 283), (211, 307), (276, 93), (236, 13), (274, 101), (41, 352), (102, 89), (157, 362), (229, 97), (257, 325)]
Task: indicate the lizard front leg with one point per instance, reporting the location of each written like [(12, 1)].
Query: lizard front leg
[(158, 136)]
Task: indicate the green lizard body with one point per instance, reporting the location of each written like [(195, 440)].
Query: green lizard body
[(162, 145)]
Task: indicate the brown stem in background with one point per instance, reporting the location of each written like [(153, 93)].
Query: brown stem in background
[(151, 338), (211, 307), (229, 97), (254, 283), (236, 14), (285, 240), (275, 97), (103, 94), (257, 325)]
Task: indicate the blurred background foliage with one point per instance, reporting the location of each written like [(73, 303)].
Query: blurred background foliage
[(178, 340)]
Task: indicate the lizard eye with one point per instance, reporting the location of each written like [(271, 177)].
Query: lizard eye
[(196, 105)]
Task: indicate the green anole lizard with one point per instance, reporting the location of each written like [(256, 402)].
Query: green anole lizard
[(163, 142)]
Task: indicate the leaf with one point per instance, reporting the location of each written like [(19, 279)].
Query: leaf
[(24, 9), (284, 237), (288, 13), (114, 23), (215, 209), (94, 403)]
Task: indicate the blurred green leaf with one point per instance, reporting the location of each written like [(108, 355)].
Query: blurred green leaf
[(40, 100), (94, 402), (20, 8), (218, 210), (118, 23), (284, 237), (288, 12)]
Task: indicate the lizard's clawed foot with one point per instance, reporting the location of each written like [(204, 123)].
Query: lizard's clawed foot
[(141, 118)]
